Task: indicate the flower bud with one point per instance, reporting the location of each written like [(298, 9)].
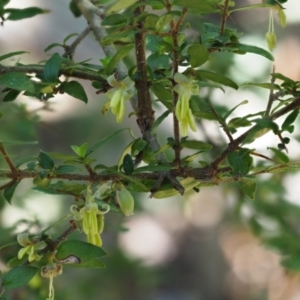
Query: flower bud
[(271, 40), (125, 201)]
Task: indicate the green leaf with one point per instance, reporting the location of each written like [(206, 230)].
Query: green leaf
[(248, 186), (17, 81), (80, 150), (10, 190), (198, 55), (138, 145), (52, 46), (239, 122), (240, 162), (128, 165), (155, 168), (15, 262), (159, 120), (290, 119), (121, 53), (18, 276), (114, 20), (249, 49), (62, 188), (5, 56), (45, 161), (266, 85), (19, 14), (198, 7), (74, 89), (69, 36), (65, 169), (51, 69), (158, 61), (280, 156), (161, 92), (163, 21), (216, 78), (85, 252), (74, 9), (197, 145), (11, 96), (103, 141), (260, 5), (24, 160)]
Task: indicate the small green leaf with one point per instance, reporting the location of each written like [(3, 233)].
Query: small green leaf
[(62, 188), (52, 46), (114, 20), (290, 119), (103, 141), (51, 69), (74, 9), (86, 252), (65, 169), (163, 21), (18, 276), (216, 78), (280, 156), (158, 61), (240, 161), (248, 186), (19, 14), (198, 55), (69, 36), (128, 165), (17, 81), (121, 53), (10, 190), (198, 7), (15, 262), (11, 96), (249, 49), (80, 150), (161, 92), (45, 161), (155, 168), (266, 85), (197, 145), (5, 56), (74, 89), (138, 145), (159, 120)]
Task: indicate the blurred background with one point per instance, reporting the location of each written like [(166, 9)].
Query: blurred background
[(212, 245)]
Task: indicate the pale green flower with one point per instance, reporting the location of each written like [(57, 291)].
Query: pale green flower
[(124, 199), (30, 247), (90, 219), (185, 88), (121, 92)]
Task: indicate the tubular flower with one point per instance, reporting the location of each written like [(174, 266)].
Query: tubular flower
[(30, 247), (50, 271), (90, 218), (121, 92), (185, 88), (270, 35)]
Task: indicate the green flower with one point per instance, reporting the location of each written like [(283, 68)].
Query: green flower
[(185, 88), (121, 92), (90, 219), (30, 247)]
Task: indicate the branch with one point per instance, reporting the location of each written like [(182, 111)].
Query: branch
[(70, 50), (236, 143), (39, 70), (7, 159), (224, 16)]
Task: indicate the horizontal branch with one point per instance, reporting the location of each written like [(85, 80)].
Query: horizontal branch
[(39, 70)]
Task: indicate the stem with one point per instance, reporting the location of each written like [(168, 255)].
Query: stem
[(271, 95), (70, 50), (224, 16), (7, 159)]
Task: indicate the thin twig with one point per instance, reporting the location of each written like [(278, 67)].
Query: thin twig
[(224, 16), (271, 95), (7, 159), (70, 50)]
